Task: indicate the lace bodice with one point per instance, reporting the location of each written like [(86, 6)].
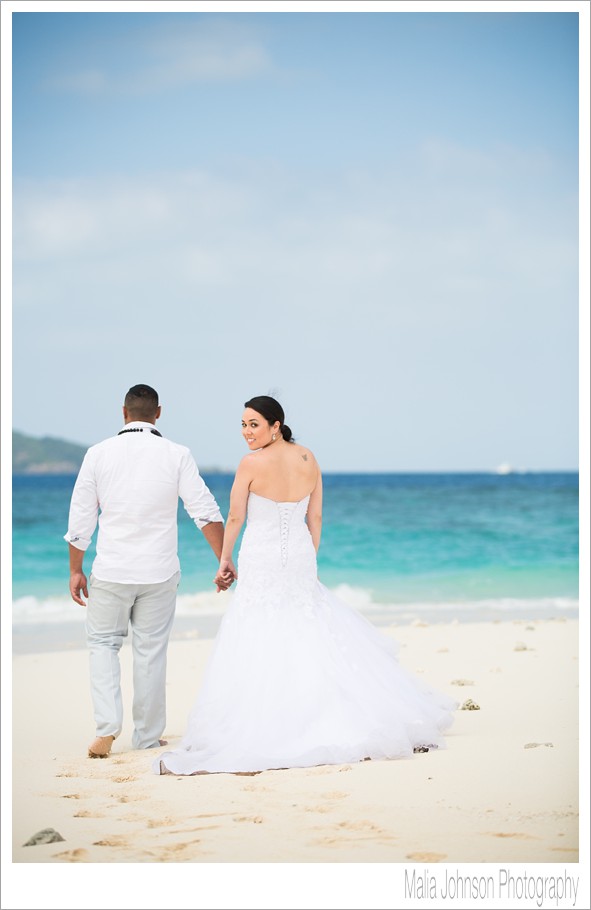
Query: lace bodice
[(277, 554)]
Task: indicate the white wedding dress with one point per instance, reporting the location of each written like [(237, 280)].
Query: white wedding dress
[(298, 678)]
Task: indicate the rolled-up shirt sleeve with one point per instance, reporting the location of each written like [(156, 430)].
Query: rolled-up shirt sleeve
[(84, 507), (196, 495)]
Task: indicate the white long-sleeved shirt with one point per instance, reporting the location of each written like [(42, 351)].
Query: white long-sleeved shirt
[(130, 484)]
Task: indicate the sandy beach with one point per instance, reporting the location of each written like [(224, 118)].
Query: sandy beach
[(505, 790)]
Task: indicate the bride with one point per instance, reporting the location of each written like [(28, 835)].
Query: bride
[(296, 678)]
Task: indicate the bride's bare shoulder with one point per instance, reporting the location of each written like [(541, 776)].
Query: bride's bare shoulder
[(248, 461)]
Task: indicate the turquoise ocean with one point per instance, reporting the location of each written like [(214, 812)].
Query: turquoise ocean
[(397, 547)]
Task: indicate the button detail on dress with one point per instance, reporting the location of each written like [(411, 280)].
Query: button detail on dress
[(284, 519)]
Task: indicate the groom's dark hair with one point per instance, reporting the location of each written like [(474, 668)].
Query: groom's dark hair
[(142, 402)]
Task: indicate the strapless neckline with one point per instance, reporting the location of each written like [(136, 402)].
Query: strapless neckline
[(280, 502)]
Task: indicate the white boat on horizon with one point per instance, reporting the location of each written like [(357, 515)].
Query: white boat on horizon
[(504, 468)]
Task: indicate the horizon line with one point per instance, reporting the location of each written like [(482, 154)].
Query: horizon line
[(213, 469)]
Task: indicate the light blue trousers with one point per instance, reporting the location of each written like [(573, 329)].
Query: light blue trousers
[(149, 610)]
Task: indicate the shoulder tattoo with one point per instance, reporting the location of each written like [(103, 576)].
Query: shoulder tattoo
[(305, 457)]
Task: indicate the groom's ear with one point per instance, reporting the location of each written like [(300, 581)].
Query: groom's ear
[(158, 412)]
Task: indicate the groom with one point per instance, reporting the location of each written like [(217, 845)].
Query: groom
[(135, 479)]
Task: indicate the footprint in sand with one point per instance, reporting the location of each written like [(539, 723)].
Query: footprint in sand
[(67, 774), (426, 857), (127, 799), (518, 834), (178, 848), (365, 826), (212, 815), (331, 841), (179, 852), (334, 794), (256, 819), (349, 832), (321, 809), (73, 856), (358, 826), (72, 796), (116, 840), (127, 816), (123, 780), (86, 813), (160, 822)]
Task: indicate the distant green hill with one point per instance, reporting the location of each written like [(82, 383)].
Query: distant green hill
[(46, 455)]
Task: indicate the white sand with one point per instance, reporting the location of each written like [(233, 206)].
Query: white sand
[(487, 798)]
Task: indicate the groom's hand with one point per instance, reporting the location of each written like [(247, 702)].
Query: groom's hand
[(225, 575), (223, 582)]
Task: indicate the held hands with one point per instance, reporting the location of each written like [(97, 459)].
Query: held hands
[(225, 575), (77, 583)]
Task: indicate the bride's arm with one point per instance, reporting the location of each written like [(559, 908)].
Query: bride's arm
[(314, 516), (236, 515)]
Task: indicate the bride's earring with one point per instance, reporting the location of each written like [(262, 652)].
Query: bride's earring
[(274, 437)]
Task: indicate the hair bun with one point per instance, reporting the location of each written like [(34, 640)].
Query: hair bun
[(286, 433)]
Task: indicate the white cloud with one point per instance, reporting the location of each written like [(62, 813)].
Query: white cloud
[(356, 239), (444, 157), (206, 52), (169, 56)]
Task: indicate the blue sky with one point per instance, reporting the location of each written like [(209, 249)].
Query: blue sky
[(373, 216)]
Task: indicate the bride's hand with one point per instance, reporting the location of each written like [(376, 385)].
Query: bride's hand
[(225, 575), (223, 582)]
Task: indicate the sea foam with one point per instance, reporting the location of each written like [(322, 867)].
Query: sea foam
[(32, 610)]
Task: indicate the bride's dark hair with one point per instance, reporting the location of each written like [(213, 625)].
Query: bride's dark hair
[(271, 411)]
